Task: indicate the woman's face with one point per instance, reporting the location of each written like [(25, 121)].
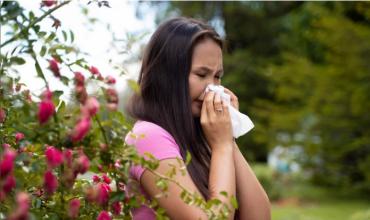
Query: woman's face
[(206, 68)]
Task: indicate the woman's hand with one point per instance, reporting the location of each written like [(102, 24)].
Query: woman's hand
[(233, 99), (216, 122)]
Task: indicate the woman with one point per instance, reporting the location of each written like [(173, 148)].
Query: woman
[(176, 115)]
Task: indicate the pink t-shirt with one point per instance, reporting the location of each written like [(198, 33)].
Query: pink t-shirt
[(149, 137)]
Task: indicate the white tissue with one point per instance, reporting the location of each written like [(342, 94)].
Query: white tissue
[(240, 122)]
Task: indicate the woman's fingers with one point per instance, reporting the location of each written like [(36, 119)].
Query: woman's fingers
[(207, 106), (233, 98), (217, 104)]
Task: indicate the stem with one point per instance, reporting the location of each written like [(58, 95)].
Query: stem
[(24, 30), (102, 129)]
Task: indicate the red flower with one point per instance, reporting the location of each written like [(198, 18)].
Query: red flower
[(96, 179), (50, 182), (110, 80), (81, 129), (104, 215), (81, 93), (82, 164), (102, 193), (112, 96), (116, 207), (94, 70), (2, 115), (19, 136), (54, 157), (46, 110), (9, 184), (7, 163), (74, 207), (92, 105), (79, 79), (53, 66), (106, 179), (49, 3)]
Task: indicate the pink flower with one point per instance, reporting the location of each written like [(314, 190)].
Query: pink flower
[(46, 110), (82, 164), (68, 157), (81, 93), (74, 207), (94, 70), (2, 115), (116, 207), (7, 163), (79, 79), (19, 136), (49, 3), (110, 80), (96, 179), (102, 193), (23, 205), (112, 96), (81, 129), (104, 215), (53, 66), (50, 182), (92, 105), (9, 183), (106, 179), (6, 146), (54, 157)]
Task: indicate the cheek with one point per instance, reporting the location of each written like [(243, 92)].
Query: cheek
[(196, 88)]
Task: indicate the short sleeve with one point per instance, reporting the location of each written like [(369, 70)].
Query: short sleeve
[(148, 137)]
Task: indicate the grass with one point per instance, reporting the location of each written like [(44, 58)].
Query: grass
[(300, 200)]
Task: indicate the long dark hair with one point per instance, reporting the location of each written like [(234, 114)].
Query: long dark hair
[(164, 97)]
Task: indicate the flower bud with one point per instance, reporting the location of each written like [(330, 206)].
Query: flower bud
[(103, 215), (7, 163), (93, 70), (48, 3), (82, 164), (54, 157), (81, 129), (50, 182), (53, 66), (2, 115), (46, 110), (116, 207), (110, 80), (19, 136), (9, 184), (79, 79), (92, 105), (73, 208)]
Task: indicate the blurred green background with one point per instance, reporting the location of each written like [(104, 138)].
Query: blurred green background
[(301, 71)]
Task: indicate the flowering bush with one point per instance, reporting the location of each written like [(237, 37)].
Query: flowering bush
[(63, 159)]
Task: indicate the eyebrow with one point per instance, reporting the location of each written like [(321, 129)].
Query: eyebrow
[(208, 70)]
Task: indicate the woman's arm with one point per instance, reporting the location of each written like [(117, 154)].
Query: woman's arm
[(253, 201)]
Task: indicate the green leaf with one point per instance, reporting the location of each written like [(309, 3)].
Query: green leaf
[(50, 38), (38, 70), (41, 34), (234, 202), (133, 85), (64, 35), (43, 51), (17, 60), (72, 36), (188, 158)]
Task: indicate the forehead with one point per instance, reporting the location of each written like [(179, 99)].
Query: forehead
[(207, 53)]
